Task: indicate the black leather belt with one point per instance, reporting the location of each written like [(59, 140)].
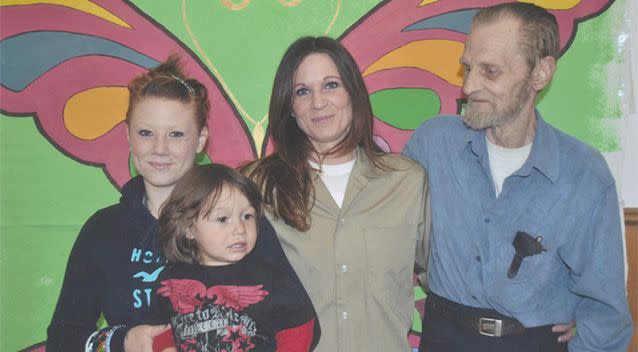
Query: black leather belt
[(483, 321)]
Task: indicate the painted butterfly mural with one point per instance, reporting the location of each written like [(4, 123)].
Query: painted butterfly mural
[(67, 63)]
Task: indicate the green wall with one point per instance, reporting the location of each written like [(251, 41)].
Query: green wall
[(45, 196)]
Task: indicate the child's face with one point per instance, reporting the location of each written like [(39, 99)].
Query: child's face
[(229, 232)]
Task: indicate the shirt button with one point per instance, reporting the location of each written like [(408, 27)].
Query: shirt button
[(344, 315), (344, 268), (343, 221), (478, 258), (487, 220)]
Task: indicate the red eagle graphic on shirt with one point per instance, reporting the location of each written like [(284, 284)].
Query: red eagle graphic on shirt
[(187, 295)]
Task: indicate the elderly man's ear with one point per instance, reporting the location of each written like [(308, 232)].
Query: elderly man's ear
[(543, 72)]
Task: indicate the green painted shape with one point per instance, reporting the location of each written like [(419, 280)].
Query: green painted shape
[(417, 324), (203, 159), (579, 100), (131, 166), (405, 108), (419, 293), (416, 318), (45, 198)]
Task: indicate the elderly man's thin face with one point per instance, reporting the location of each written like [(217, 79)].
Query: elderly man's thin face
[(497, 78)]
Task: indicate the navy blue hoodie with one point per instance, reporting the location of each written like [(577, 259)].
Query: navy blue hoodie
[(114, 262)]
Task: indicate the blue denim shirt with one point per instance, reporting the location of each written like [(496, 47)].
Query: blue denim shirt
[(565, 193)]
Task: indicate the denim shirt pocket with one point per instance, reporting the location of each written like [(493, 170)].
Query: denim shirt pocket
[(518, 293)]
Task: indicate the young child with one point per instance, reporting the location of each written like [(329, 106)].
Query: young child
[(217, 294)]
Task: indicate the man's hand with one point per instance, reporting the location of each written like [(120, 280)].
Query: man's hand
[(568, 331), (140, 338)]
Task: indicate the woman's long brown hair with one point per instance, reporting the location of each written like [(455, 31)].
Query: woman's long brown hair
[(285, 177)]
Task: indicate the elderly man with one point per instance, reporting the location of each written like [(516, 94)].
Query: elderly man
[(526, 231)]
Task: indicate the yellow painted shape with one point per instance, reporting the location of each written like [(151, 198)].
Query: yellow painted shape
[(441, 57), (554, 4), (426, 2), (92, 113), (235, 7), (259, 134), (80, 5)]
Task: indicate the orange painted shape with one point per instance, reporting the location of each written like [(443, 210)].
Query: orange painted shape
[(92, 113), (441, 57)]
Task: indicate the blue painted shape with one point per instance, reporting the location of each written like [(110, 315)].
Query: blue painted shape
[(26, 57), (457, 21)]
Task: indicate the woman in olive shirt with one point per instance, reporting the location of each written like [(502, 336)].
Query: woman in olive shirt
[(352, 219)]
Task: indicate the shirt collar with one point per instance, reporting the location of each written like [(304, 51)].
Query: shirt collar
[(544, 156), (361, 172), (475, 141)]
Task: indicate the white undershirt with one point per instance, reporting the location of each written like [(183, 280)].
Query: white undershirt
[(505, 161), (335, 177)]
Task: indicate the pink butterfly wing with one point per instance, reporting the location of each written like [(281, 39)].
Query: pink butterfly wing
[(394, 26), (120, 53)]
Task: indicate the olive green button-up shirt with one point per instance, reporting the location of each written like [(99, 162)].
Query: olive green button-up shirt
[(357, 261)]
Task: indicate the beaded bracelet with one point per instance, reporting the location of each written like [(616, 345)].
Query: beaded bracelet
[(100, 341)]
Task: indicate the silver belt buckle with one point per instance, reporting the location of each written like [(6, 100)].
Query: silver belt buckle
[(490, 327)]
